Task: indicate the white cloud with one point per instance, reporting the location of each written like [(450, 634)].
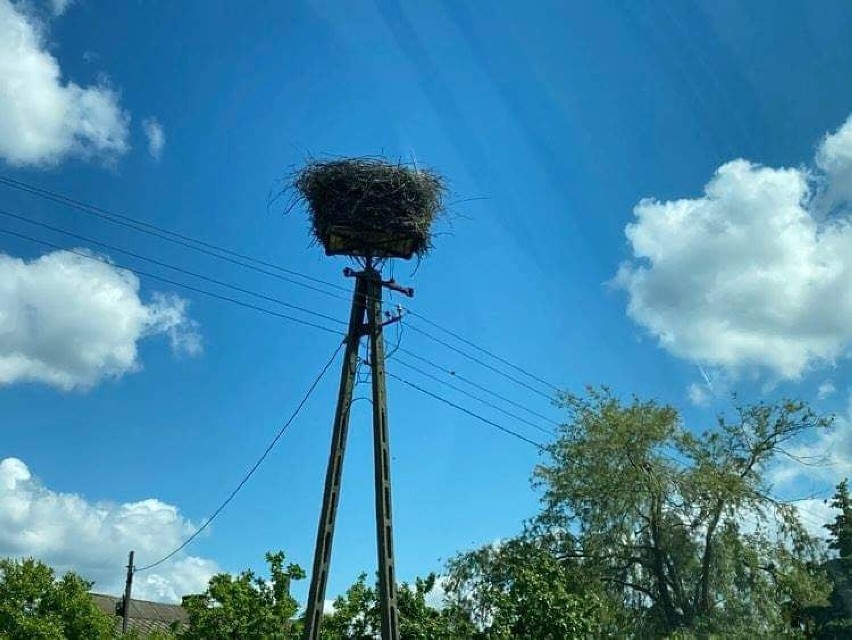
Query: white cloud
[(751, 274), (698, 395), (156, 136), (834, 159), (44, 119), (826, 389), (174, 580), (71, 321), (93, 538), (60, 6)]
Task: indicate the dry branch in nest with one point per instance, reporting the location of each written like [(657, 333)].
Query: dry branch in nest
[(370, 207)]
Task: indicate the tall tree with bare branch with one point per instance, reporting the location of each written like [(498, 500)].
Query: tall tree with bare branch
[(680, 526)]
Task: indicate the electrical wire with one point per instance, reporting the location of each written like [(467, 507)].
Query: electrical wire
[(175, 283), (296, 307), (238, 259), (400, 329), (479, 361), (261, 266), (478, 386), (473, 397), (473, 414), (487, 352), (254, 468), (174, 237), (277, 301), (159, 263)]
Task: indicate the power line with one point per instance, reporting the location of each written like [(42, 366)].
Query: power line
[(171, 266), (260, 266), (470, 343), (479, 361), (473, 397), (175, 283), (478, 386), (263, 297), (254, 307), (174, 237), (254, 468), (491, 423)]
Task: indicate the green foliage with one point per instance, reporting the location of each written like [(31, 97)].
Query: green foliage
[(647, 530), (834, 621), (519, 589), (841, 528), (680, 528), (245, 606), (356, 614), (34, 605)]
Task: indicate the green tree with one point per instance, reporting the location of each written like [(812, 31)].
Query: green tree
[(519, 589), (34, 605), (841, 529), (356, 614), (834, 621), (246, 606), (680, 527)]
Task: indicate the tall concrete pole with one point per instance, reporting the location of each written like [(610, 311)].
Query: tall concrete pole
[(381, 463), (334, 472)]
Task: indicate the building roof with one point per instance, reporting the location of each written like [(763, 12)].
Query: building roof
[(145, 616)]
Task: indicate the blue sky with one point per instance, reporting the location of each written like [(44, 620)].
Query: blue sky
[(553, 122)]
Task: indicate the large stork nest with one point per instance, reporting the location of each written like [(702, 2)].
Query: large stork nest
[(371, 207)]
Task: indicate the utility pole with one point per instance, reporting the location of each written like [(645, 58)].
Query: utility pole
[(334, 471), (381, 465), (128, 588), (367, 301)]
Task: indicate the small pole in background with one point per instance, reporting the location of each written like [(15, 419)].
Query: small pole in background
[(128, 587)]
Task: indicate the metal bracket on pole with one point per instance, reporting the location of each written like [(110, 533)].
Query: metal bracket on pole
[(391, 319), (392, 285), (388, 284)]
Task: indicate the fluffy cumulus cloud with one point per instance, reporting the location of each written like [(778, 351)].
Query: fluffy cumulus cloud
[(70, 321), (699, 395), (156, 136), (756, 273), (93, 538), (43, 118), (834, 160)]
